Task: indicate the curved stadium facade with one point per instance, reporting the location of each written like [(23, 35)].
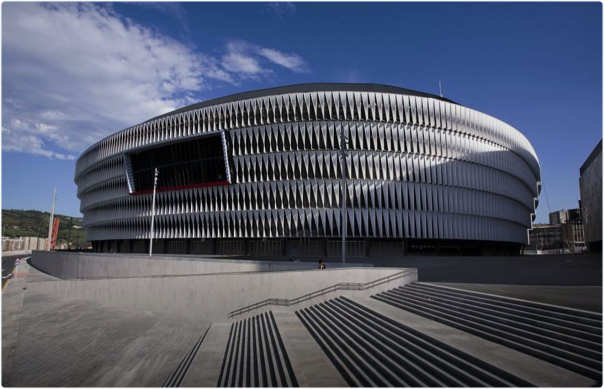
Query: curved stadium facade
[(260, 174)]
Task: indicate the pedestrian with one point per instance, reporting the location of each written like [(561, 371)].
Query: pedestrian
[(17, 262), (321, 264)]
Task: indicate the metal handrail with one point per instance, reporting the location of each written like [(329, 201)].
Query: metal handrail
[(329, 289)]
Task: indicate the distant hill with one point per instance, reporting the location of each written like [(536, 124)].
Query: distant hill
[(17, 222)]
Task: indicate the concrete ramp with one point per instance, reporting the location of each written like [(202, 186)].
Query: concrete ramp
[(65, 342)]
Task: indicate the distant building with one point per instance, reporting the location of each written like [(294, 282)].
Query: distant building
[(12, 244), (590, 184), (573, 237), (545, 237), (23, 244), (32, 243), (571, 228), (574, 214), (558, 217)]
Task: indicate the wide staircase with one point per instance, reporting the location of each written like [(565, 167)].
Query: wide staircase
[(369, 349), (255, 355), (568, 338), (416, 335)]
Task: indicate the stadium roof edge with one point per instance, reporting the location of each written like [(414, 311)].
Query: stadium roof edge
[(303, 88)]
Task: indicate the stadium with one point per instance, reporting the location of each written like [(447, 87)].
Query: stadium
[(262, 174)]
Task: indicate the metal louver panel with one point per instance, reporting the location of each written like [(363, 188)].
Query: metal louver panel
[(418, 167)]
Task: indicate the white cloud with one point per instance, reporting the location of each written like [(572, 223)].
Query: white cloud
[(75, 73), (249, 60), (53, 115), (239, 59), (22, 142), (293, 62)]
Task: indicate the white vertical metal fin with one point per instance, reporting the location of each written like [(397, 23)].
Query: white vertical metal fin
[(153, 212)]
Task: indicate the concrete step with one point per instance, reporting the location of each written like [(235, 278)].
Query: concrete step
[(362, 370), (370, 350), (387, 372), (510, 363), (471, 371), (311, 366), (505, 322), (573, 315), (500, 331), (560, 326), (418, 369), (442, 364), (255, 355), (344, 365), (495, 332)]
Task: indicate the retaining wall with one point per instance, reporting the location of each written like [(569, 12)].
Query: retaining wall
[(211, 297), (73, 265)]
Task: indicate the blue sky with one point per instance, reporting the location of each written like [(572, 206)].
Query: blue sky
[(73, 74)]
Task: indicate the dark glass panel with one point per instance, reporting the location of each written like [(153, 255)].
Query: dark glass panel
[(180, 164)]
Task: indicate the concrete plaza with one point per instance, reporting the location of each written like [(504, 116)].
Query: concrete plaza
[(78, 339)]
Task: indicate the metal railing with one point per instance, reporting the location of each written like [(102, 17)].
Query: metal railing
[(321, 292)]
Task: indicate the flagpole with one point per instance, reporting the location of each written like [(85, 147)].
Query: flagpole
[(153, 212)]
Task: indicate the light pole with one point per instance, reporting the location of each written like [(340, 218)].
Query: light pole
[(343, 155), (69, 238), (52, 214), (153, 212), (38, 240)]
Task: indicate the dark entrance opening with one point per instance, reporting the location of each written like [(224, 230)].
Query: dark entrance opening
[(185, 164)]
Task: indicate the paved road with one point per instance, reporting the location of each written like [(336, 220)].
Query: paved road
[(8, 263)]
